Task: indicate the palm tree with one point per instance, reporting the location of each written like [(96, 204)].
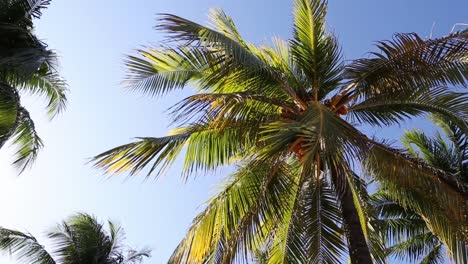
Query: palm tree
[(410, 235), (80, 239), (26, 66), (289, 116)]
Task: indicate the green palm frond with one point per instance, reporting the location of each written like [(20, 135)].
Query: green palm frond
[(26, 139), (225, 108), (405, 230), (216, 61), (287, 245), (24, 247), (157, 71), (396, 223), (22, 54), (448, 156), (434, 257), (382, 110), (443, 222), (434, 151), (459, 140), (50, 86), (224, 24), (185, 30), (209, 144), (135, 156), (424, 246), (233, 220), (316, 52), (322, 224), (280, 57), (394, 165), (408, 63), (311, 232)]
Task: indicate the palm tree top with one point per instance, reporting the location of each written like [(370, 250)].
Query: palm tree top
[(77, 240), (291, 112)]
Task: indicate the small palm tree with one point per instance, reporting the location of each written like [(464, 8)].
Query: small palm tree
[(26, 66), (410, 235), (81, 239), (289, 116)]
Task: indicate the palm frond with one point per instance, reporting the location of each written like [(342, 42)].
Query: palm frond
[(135, 156), (209, 144), (406, 232), (423, 246), (78, 239), (434, 257), (322, 219), (134, 256), (34, 7), (383, 110), (459, 140), (316, 53), (242, 211), (26, 139), (224, 24), (397, 224), (280, 57), (236, 60), (227, 107), (435, 151), (157, 71), (408, 63), (49, 85), (24, 247), (192, 33), (310, 231)]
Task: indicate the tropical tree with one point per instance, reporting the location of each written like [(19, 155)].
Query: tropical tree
[(411, 236), (80, 239), (289, 117), (26, 66)]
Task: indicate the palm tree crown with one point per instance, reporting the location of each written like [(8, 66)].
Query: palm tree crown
[(26, 66), (288, 116), (80, 239)]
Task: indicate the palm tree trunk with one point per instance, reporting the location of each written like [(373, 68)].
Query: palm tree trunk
[(357, 246)]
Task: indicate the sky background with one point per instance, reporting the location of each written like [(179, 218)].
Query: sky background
[(91, 38)]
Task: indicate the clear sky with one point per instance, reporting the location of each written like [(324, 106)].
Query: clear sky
[(91, 38)]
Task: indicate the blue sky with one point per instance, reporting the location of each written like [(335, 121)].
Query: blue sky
[(91, 38)]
